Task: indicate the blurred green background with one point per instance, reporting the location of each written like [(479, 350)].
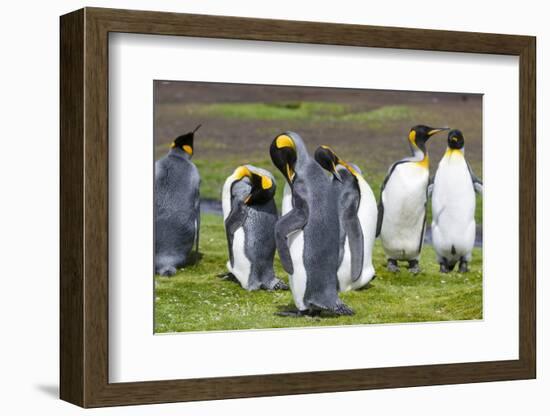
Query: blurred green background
[(366, 127)]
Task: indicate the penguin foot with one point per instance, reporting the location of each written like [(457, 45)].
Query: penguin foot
[(414, 266), (292, 314), (167, 271), (443, 268), (392, 266), (463, 267), (343, 310), (278, 284), (230, 277)]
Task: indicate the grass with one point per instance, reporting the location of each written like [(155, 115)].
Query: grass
[(382, 115), (295, 110), (195, 299)]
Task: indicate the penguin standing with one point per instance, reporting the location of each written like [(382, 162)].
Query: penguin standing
[(307, 236), (250, 214), (177, 206), (402, 206), (453, 207), (357, 214)]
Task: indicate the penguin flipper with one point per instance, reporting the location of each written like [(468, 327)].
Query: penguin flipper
[(424, 222), (233, 222), (478, 183), (380, 216), (354, 232), (430, 187), (478, 186), (292, 221), (198, 224), (381, 203)]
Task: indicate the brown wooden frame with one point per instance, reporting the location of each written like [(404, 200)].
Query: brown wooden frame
[(84, 207)]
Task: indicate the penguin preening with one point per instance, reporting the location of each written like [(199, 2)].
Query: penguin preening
[(403, 198), (307, 235), (453, 206), (357, 214), (177, 206), (250, 214)]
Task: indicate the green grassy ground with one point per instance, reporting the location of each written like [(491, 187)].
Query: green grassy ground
[(195, 299)]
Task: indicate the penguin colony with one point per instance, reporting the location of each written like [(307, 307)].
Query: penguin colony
[(329, 221)]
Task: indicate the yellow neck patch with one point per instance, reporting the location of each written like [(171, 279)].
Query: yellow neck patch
[(284, 141), (187, 149), (349, 167), (424, 163), (412, 137), (341, 162), (453, 152)]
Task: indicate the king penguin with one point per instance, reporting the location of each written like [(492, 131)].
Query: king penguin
[(177, 206), (453, 207), (250, 214), (307, 235), (403, 198), (357, 213)]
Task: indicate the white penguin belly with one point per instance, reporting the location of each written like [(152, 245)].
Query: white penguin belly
[(241, 264), (453, 208), (298, 279), (404, 200), (367, 214), (287, 199), (344, 271), (226, 196)]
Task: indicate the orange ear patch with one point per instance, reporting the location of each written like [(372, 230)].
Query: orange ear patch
[(284, 141), (266, 182)]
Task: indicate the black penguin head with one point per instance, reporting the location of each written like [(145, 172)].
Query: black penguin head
[(263, 187), (328, 160), (455, 140), (185, 141), (263, 190), (325, 156), (283, 154), (419, 135)]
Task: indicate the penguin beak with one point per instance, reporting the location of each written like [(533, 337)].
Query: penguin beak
[(437, 130), (336, 174), (289, 173)]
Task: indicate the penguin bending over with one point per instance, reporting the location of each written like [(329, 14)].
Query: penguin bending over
[(250, 214), (453, 207), (177, 206), (357, 213), (402, 206), (307, 235)]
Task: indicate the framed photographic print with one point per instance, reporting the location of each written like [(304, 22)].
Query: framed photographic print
[(256, 207)]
